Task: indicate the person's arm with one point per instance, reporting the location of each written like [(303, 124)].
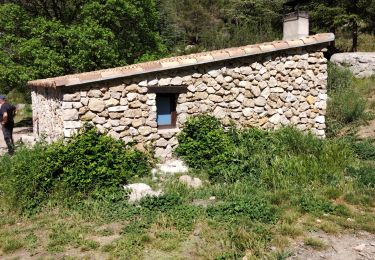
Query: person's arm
[(5, 118)]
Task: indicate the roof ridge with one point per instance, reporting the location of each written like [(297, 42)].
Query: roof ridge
[(181, 61)]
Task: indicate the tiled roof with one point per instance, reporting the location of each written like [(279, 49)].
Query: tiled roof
[(181, 61)]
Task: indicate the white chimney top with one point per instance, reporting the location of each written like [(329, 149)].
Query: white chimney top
[(296, 25)]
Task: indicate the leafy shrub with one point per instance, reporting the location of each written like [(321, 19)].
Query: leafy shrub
[(202, 142), (365, 149), (282, 158), (310, 203), (161, 203), (364, 175), (88, 165), (254, 208)]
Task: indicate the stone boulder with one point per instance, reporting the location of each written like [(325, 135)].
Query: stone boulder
[(191, 182), (139, 191)]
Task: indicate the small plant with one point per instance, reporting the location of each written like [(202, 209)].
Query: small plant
[(161, 203), (364, 175), (253, 208), (202, 142), (315, 243)]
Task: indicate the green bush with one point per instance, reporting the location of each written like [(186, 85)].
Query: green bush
[(89, 165), (364, 175), (338, 78), (273, 159), (253, 208), (310, 203), (161, 203), (346, 104), (364, 149), (202, 142)]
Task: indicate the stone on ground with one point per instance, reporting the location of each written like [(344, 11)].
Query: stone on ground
[(139, 191), (191, 182), (172, 167)]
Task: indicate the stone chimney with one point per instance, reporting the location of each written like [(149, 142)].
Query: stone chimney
[(296, 25)]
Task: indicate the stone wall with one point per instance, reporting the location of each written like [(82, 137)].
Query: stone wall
[(47, 113), (281, 88), (362, 64)]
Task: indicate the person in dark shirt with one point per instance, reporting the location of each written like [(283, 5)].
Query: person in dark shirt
[(7, 112)]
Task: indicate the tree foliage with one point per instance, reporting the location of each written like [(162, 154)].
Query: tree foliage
[(47, 38)]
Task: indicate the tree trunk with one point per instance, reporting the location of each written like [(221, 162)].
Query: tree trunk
[(355, 36)]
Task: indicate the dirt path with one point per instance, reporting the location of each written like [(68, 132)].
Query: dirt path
[(18, 134), (360, 246)]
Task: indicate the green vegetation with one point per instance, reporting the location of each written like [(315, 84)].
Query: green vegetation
[(41, 39), (89, 165), (347, 106), (267, 189)]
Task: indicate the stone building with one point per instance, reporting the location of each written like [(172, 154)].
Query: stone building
[(265, 85)]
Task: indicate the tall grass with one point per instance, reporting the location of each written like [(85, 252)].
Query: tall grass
[(347, 102)]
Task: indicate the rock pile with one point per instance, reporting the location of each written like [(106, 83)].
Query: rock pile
[(362, 64)]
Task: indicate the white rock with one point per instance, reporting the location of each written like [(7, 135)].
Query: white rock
[(320, 119), (143, 83), (214, 73), (191, 182), (72, 124), (247, 112), (117, 109), (176, 81), (260, 101), (164, 81), (255, 90), (173, 166), (131, 96), (139, 191), (96, 105), (360, 247), (70, 114), (153, 82), (275, 119)]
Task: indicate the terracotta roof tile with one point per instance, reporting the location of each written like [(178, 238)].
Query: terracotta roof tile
[(252, 49), (150, 66), (295, 43), (167, 64), (220, 55), (267, 47), (206, 57), (309, 40), (236, 52), (187, 61), (89, 76), (111, 73), (280, 45), (182, 61)]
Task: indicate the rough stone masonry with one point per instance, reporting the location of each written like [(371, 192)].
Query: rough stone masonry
[(266, 85)]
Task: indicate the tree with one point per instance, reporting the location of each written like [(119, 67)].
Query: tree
[(351, 15), (39, 43)]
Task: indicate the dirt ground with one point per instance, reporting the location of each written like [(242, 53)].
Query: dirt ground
[(360, 246), (18, 134)]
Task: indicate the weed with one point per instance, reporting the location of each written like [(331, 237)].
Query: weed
[(290, 230), (315, 243), (10, 245), (330, 228), (253, 208)]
